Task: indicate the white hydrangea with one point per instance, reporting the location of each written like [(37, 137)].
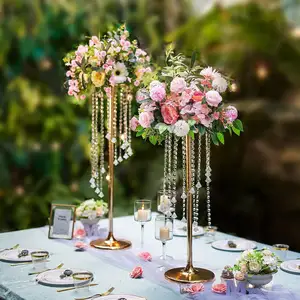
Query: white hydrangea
[(267, 252), (181, 128), (219, 84)]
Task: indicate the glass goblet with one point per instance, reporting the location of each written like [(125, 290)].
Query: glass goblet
[(164, 232)]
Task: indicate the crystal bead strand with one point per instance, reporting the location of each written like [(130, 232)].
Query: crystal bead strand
[(129, 98), (114, 129), (165, 167), (125, 120), (92, 151), (192, 190), (121, 135), (96, 139), (198, 178), (169, 165), (173, 199), (208, 177), (102, 145), (183, 195)]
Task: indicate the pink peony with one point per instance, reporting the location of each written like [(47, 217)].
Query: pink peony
[(178, 85), (145, 119), (169, 113), (213, 98), (198, 96), (188, 109), (134, 123), (201, 108), (231, 113), (205, 120), (146, 256), (158, 92), (194, 288), (186, 96), (137, 272)]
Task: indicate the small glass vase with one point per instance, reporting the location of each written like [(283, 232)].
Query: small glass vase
[(164, 232), (91, 227), (142, 214)]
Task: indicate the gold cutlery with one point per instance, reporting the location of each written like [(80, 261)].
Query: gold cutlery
[(73, 288), (97, 295), (12, 248), (24, 263), (36, 273)]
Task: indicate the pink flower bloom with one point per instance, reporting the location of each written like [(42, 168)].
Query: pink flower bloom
[(145, 119), (102, 53), (198, 96), (70, 92), (201, 108), (157, 93), (169, 113), (206, 83), (136, 83), (79, 233), (216, 115), (146, 256), (82, 97), (209, 73), (137, 272), (147, 58), (219, 288), (118, 49), (188, 109), (178, 85), (194, 288), (231, 113), (148, 106), (205, 120), (134, 123), (69, 74), (186, 96), (81, 50), (213, 98), (80, 245), (139, 52), (112, 80)]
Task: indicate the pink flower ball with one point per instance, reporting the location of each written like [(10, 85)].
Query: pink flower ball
[(146, 256), (137, 272), (157, 92), (231, 113), (198, 96), (169, 114), (146, 118), (134, 123), (213, 98), (178, 85)]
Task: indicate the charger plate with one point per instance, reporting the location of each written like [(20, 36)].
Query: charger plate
[(241, 245)]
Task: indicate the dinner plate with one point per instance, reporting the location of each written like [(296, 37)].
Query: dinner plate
[(241, 245), (291, 266), (12, 255), (120, 297), (52, 278), (180, 229)]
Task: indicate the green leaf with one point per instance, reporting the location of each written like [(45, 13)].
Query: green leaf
[(238, 124), (162, 128), (153, 139), (144, 135), (139, 128), (191, 122), (215, 139), (230, 130), (191, 134), (236, 131), (139, 133), (220, 136), (193, 58), (202, 130)]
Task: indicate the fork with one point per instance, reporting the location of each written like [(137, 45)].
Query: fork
[(97, 295), (36, 273), (12, 248)]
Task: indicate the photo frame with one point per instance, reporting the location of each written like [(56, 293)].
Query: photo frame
[(62, 221)]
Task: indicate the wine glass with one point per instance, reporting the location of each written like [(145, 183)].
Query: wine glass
[(142, 214), (164, 233)]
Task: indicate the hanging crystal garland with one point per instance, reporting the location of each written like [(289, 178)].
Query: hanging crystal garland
[(129, 101), (193, 176), (208, 177), (174, 175), (121, 135), (198, 180), (183, 195), (169, 138), (102, 145)]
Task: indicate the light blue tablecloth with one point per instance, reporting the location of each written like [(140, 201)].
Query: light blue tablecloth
[(107, 273)]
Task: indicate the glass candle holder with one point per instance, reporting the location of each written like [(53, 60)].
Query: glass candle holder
[(210, 233), (39, 260), (164, 232), (281, 251), (82, 280), (142, 214)]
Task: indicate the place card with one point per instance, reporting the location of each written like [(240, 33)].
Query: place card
[(62, 221)]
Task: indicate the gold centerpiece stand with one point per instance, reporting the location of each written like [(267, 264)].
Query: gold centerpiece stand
[(189, 274), (111, 243)]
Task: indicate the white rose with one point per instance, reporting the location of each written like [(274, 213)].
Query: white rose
[(89, 202), (246, 253), (78, 211), (267, 252), (86, 213), (181, 128), (92, 215), (269, 260), (219, 84), (254, 267)]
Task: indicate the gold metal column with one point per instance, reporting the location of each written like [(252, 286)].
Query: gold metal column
[(189, 274), (110, 243)]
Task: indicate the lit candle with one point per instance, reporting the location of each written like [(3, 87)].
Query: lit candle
[(164, 233), (143, 215)]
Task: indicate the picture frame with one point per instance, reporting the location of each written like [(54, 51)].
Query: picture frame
[(62, 221)]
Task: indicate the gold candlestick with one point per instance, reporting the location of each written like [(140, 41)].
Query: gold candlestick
[(189, 274), (111, 243)]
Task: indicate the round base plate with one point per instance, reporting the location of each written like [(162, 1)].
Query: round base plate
[(199, 275), (110, 244)]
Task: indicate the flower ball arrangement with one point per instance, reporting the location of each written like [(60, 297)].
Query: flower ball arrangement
[(182, 100), (91, 209), (102, 63)]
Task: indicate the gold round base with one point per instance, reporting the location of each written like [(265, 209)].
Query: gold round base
[(110, 244), (195, 276)]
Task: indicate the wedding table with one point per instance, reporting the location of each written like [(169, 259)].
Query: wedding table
[(112, 268)]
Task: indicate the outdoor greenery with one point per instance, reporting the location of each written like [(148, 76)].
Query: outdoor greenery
[(44, 149)]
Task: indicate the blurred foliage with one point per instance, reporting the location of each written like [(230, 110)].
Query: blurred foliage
[(44, 145)]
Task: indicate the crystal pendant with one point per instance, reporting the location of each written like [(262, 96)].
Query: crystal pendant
[(93, 185), (183, 196), (120, 159), (113, 140), (192, 190), (107, 136), (183, 220), (129, 151), (92, 180), (173, 200), (198, 185), (116, 162), (125, 156), (195, 224), (174, 216), (103, 170), (97, 191), (168, 214), (101, 195)]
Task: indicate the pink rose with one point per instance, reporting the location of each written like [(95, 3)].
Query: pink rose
[(146, 256), (219, 288), (80, 245), (134, 123), (79, 233), (216, 115), (137, 272), (201, 108), (198, 96), (178, 85), (186, 96), (194, 288), (169, 114), (146, 118), (231, 113), (205, 120), (213, 98), (157, 92)]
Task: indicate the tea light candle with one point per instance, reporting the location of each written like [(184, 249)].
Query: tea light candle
[(164, 233), (143, 215)]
